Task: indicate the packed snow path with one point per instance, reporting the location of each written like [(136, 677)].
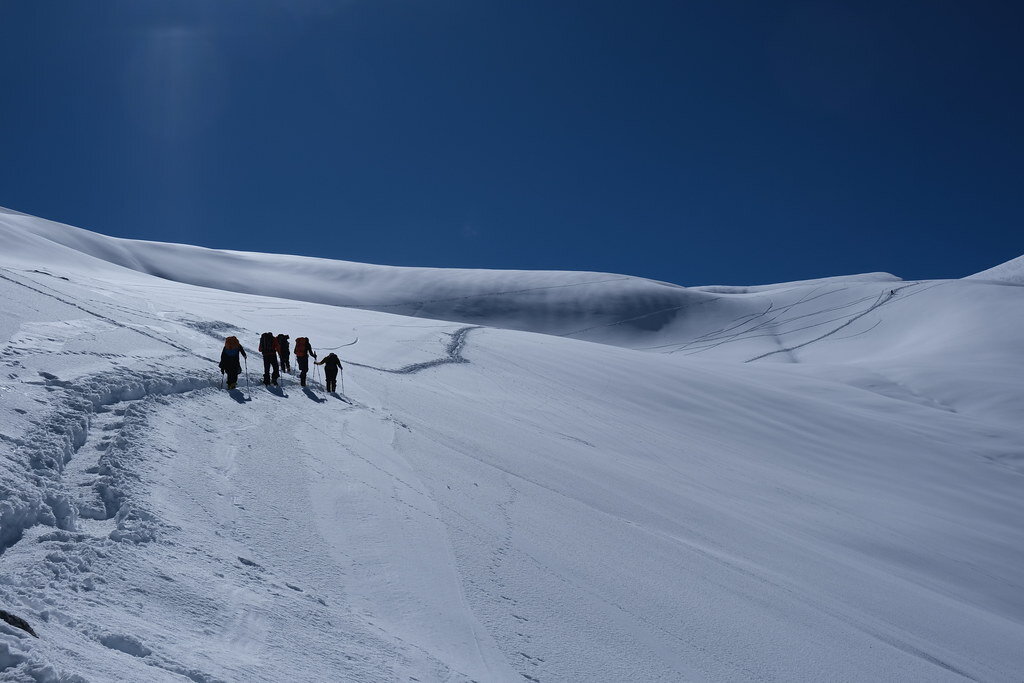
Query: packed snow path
[(495, 505)]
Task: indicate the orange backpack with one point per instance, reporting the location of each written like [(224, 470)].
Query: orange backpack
[(301, 346)]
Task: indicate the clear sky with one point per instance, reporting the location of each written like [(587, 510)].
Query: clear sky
[(695, 142)]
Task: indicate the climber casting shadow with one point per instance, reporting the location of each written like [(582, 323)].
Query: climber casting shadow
[(313, 397), (238, 395)]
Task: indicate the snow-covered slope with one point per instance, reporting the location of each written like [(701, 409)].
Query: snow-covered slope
[(809, 481), (1011, 272), (603, 307)]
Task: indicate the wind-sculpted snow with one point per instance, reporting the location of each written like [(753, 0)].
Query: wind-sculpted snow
[(817, 480)]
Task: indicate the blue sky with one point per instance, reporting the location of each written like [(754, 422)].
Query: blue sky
[(694, 142)]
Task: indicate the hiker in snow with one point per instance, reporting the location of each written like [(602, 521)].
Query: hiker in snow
[(302, 353), (331, 366), (268, 347), (282, 350), (230, 365)]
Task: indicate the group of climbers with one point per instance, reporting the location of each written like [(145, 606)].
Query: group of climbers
[(276, 357)]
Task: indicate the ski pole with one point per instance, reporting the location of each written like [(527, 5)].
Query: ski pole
[(341, 371), (247, 389), (323, 382), (221, 379)]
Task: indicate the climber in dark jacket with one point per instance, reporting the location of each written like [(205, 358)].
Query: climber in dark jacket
[(268, 347), (331, 366), (282, 351), (230, 365)]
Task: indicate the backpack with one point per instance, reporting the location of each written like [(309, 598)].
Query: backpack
[(268, 343), (282, 343), (301, 346)]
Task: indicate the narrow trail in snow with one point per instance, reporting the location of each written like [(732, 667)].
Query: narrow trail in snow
[(68, 301), (57, 439), (335, 348), (453, 355)]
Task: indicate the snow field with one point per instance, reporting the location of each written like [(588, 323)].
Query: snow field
[(808, 481)]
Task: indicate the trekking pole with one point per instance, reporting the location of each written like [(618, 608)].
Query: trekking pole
[(221, 379), (247, 389), (341, 372)]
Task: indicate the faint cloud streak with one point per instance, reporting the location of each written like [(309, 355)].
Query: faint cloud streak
[(175, 80)]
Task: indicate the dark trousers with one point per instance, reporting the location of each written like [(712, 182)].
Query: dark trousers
[(286, 365), (331, 379), (232, 376), (303, 362), (270, 361)]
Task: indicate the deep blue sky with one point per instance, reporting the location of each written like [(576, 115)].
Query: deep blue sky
[(695, 142)]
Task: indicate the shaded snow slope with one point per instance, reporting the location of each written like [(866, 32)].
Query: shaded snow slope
[(554, 302), (616, 309), (803, 482)]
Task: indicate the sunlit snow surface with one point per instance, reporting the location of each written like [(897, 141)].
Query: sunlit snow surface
[(800, 482)]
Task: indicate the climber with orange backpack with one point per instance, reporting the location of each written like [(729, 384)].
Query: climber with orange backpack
[(229, 363), (302, 352), (269, 348)]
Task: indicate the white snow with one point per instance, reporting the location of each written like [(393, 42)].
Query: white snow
[(545, 476), (1011, 272)]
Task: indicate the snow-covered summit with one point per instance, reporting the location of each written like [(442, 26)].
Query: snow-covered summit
[(818, 480)]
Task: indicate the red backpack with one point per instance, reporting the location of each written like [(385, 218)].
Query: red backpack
[(301, 346)]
